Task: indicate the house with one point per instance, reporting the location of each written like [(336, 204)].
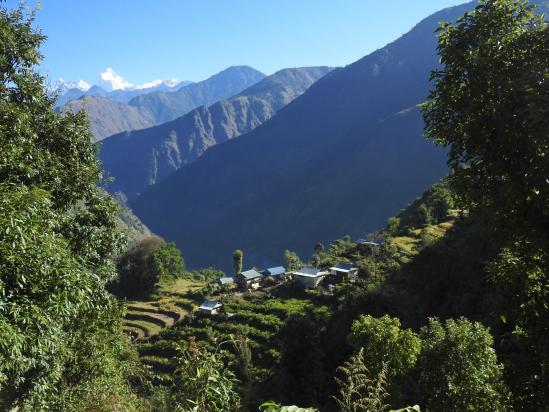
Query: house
[(278, 272), (210, 307), (226, 281), (343, 272), (369, 246), (364, 242), (249, 279), (309, 277)]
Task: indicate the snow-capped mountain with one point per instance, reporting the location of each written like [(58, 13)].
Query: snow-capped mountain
[(113, 87), (110, 80), (63, 85)]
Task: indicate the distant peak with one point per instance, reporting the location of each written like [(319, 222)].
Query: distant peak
[(65, 85)]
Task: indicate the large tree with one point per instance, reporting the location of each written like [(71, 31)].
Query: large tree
[(60, 333), (458, 367), (490, 107)]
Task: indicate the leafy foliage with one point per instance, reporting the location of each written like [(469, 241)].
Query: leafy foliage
[(292, 261), (168, 262), (496, 128), (459, 368), (384, 342), (359, 392), (145, 264), (60, 331), (202, 383), (237, 261)]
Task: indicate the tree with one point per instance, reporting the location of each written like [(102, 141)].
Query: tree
[(137, 268), (489, 106), (147, 262), (385, 342), (237, 261), (358, 390), (168, 262), (292, 262), (301, 360), (61, 342), (319, 248), (459, 369), (202, 383)]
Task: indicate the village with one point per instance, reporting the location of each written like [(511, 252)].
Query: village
[(307, 277)]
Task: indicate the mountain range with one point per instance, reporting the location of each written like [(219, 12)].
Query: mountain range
[(140, 158), (340, 159), (128, 109), (113, 86)]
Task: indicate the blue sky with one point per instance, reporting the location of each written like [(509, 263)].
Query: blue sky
[(144, 40)]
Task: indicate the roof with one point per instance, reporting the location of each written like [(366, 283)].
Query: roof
[(276, 271), (210, 304), (226, 280), (309, 272), (251, 274), (369, 243), (343, 267)]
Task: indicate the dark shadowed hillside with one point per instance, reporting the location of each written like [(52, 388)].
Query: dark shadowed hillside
[(340, 159), (143, 157)]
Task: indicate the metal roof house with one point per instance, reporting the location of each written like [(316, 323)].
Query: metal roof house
[(210, 307), (364, 242), (276, 271), (309, 277), (249, 279), (343, 271), (226, 281)]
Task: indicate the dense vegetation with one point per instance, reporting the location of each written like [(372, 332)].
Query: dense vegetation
[(61, 342)]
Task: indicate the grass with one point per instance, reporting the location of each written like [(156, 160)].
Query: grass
[(410, 243), (169, 304)]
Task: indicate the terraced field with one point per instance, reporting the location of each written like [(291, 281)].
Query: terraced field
[(258, 319), (410, 243), (170, 303)]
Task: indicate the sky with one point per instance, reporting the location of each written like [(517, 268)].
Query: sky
[(143, 40)]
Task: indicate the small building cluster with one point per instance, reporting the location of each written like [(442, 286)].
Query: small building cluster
[(307, 277)]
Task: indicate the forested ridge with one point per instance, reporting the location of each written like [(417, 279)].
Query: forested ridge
[(449, 310)]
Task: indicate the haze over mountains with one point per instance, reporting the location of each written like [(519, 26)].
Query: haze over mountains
[(136, 107), (144, 157), (340, 159)]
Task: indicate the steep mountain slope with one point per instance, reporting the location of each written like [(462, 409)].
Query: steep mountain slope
[(168, 106), (108, 117), (111, 115), (339, 159), (143, 157)]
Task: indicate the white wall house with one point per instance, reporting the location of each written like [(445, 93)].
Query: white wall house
[(210, 307), (344, 271), (308, 277)]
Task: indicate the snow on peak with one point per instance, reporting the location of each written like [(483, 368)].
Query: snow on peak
[(171, 82), (66, 85), (157, 83), (110, 80), (154, 83)]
